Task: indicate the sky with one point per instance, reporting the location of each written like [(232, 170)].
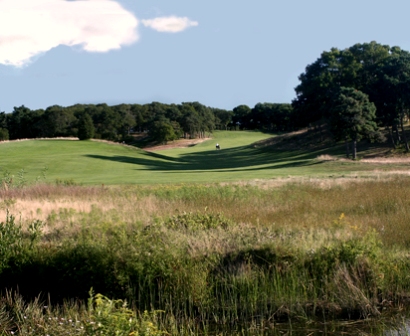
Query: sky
[(221, 53)]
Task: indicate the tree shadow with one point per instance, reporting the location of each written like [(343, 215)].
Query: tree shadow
[(243, 158)]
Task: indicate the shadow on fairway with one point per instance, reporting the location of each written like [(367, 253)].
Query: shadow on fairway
[(237, 159)]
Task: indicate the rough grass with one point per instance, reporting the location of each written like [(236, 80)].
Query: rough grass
[(378, 202), (216, 253)]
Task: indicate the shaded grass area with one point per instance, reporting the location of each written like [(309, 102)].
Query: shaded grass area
[(217, 257)]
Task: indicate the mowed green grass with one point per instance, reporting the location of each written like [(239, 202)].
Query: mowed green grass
[(90, 162)]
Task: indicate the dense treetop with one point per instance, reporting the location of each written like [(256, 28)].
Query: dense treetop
[(162, 122), (379, 71)]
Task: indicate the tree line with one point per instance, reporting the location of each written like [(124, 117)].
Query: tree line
[(353, 92), (161, 122)]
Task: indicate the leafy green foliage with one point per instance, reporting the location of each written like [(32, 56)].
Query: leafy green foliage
[(4, 134), (353, 116), (113, 317), (101, 316), (85, 128), (11, 240), (163, 131), (14, 244), (379, 71)]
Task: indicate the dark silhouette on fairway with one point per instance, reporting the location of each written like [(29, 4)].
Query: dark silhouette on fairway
[(236, 159)]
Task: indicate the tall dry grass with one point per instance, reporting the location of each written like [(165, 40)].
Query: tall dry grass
[(220, 253), (380, 203)]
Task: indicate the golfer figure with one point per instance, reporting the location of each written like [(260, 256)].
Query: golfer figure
[(218, 147)]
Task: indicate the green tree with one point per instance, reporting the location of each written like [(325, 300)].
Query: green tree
[(241, 116), (127, 119), (57, 121), (163, 131), (392, 92), (222, 118), (141, 115), (352, 117), (21, 123), (272, 117), (85, 127), (351, 67), (4, 134), (190, 120), (201, 119)]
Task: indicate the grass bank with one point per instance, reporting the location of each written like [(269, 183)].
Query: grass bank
[(211, 256), (245, 156)]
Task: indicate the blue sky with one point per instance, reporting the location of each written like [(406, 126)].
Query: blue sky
[(222, 53)]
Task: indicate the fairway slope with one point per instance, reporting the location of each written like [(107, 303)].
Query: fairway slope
[(244, 155)]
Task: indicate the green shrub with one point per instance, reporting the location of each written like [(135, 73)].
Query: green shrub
[(198, 221), (11, 240), (113, 317), (65, 182)]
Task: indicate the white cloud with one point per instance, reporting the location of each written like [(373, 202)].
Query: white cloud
[(31, 27), (169, 24)]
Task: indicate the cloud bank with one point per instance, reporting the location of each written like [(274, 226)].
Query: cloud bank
[(31, 27), (169, 24)]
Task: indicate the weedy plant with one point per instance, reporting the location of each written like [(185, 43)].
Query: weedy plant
[(113, 317), (233, 257), (101, 316), (198, 221)]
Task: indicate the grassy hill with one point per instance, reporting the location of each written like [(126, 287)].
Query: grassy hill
[(245, 155), (205, 256)]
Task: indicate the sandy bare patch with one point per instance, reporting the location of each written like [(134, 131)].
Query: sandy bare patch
[(183, 143), (387, 160), (326, 157)]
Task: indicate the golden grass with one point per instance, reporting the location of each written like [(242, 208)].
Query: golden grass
[(325, 182), (330, 227), (31, 139), (392, 159), (380, 201)]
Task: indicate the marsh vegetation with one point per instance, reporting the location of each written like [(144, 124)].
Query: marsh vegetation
[(206, 258)]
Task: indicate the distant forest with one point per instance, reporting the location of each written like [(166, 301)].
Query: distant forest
[(361, 92), (161, 122)]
